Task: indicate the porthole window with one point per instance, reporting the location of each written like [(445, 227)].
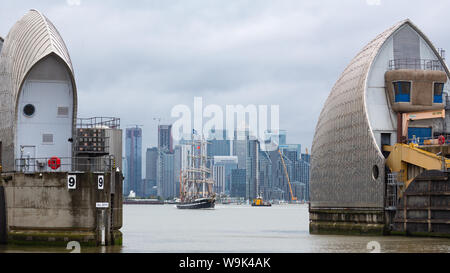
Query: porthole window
[(375, 172), (28, 110)]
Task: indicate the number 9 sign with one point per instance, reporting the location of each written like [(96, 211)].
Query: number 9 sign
[(101, 182), (71, 182)]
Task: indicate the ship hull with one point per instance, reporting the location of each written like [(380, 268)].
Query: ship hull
[(198, 204), (264, 205)]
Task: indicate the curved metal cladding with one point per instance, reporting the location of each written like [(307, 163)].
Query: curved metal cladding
[(344, 150), (29, 41)]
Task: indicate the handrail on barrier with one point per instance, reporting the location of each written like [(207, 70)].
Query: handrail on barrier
[(416, 64), (65, 164)]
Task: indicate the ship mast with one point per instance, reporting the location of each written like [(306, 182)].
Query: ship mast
[(196, 176)]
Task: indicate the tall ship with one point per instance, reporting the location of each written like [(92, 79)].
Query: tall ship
[(196, 183)]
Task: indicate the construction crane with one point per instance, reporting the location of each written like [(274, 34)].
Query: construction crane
[(293, 198), (158, 119)]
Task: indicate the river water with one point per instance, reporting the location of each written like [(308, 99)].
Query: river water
[(239, 228)]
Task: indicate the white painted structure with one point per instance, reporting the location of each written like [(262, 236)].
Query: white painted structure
[(45, 132), (38, 98), (381, 117)]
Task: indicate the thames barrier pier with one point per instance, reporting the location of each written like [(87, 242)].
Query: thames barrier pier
[(379, 155), (61, 176)]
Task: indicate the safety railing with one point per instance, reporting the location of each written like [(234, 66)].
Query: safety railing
[(99, 122), (64, 164), (415, 64)]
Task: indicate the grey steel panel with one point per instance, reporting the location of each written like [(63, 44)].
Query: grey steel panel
[(406, 44)]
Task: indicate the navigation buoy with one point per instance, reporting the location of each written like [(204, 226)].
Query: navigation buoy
[(54, 163)]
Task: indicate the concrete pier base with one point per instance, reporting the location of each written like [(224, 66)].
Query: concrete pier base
[(42, 210), (346, 221)]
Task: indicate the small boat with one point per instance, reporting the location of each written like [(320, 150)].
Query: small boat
[(259, 202), (201, 203)]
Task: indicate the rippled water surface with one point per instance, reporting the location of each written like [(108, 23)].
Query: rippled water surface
[(238, 228)]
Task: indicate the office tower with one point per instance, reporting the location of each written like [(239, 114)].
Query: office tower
[(165, 141), (230, 163), (252, 174), (125, 191), (238, 182), (265, 175), (282, 137), (240, 146), (218, 145), (219, 178), (177, 166), (151, 162), (302, 175), (133, 150), (165, 175), (306, 158)]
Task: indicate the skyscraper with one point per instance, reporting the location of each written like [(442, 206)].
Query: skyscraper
[(229, 163), (240, 146), (219, 178), (151, 162), (265, 175), (165, 141), (218, 144), (177, 167), (133, 150), (252, 166), (165, 175), (238, 178)]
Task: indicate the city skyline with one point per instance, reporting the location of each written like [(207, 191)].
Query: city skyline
[(241, 162)]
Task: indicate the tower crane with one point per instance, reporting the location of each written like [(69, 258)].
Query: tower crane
[(293, 198)]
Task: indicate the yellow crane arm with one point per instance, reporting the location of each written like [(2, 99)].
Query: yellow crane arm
[(293, 198)]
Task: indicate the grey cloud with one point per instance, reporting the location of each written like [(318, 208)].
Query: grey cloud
[(138, 59)]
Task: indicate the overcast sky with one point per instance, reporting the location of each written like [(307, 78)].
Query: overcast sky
[(137, 59)]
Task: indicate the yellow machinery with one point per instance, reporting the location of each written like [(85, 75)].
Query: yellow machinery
[(406, 117), (293, 198), (410, 161)]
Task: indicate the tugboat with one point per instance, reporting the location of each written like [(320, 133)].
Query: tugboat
[(259, 202), (196, 184)]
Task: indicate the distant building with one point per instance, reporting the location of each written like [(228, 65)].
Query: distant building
[(133, 151), (177, 167), (306, 158), (165, 141), (125, 175), (238, 182), (302, 175), (218, 145), (292, 151), (151, 163), (252, 173), (282, 137), (165, 175), (229, 163), (219, 178), (240, 146), (265, 175)]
